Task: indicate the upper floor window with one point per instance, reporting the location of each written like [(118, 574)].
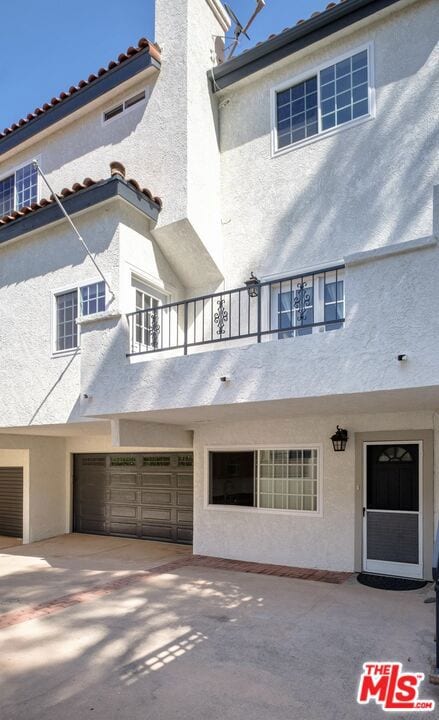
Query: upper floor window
[(123, 106), (332, 96), (75, 303), (18, 189)]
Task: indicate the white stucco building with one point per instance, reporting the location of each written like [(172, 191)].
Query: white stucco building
[(159, 396)]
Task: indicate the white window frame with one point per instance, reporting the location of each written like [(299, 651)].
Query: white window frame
[(125, 110), (13, 171), (307, 75), (148, 287), (70, 289), (256, 509)]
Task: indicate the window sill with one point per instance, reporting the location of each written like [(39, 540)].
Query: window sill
[(98, 317), (66, 353), (264, 511), (320, 136)]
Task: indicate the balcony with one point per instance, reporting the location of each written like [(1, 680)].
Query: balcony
[(258, 312)]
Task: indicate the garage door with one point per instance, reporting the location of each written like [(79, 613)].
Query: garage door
[(11, 501), (147, 496)]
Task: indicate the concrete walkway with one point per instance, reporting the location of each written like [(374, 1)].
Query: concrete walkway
[(194, 642), (39, 572)]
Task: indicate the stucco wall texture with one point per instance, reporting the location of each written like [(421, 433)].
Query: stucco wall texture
[(382, 322), (284, 537), (363, 187)]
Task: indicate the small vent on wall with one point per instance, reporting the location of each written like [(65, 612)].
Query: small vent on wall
[(185, 461), (123, 106)]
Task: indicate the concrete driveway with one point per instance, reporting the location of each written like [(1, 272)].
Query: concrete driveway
[(190, 642)]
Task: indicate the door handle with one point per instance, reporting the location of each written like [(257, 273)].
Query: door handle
[(364, 511)]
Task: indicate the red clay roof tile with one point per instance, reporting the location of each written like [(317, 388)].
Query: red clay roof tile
[(65, 192), (141, 45)]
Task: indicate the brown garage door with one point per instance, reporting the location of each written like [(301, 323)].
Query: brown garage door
[(11, 501), (142, 495)]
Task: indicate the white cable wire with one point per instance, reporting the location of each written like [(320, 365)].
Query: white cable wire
[(74, 228)]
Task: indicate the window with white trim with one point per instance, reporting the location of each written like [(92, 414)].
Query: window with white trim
[(19, 189), (147, 301), (123, 106), (287, 479), (277, 479), (69, 306), (334, 95)]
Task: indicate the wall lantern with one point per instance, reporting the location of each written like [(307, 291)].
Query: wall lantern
[(339, 439), (252, 285)]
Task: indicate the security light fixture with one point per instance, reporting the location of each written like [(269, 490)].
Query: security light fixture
[(252, 285), (339, 439)]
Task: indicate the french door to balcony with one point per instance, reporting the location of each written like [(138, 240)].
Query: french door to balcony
[(392, 517)]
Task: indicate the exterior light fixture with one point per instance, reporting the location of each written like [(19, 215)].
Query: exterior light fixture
[(339, 439), (252, 285)]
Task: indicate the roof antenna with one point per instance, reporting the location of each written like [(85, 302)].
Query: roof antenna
[(241, 29)]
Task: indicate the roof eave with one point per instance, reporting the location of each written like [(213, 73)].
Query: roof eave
[(140, 62), (291, 41), (77, 202)]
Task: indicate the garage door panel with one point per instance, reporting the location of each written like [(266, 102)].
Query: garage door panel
[(93, 493), (185, 499), (184, 516), (184, 534), (139, 495), (123, 479), (185, 481), (95, 510), (118, 495), (151, 531), (88, 525), (157, 514), (123, 528), (123, 511), (11, 501), (157, 480), (91, 461), (157, 461), (157, 498)]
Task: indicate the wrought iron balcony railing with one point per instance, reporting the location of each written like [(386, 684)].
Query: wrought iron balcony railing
[(274, 309)]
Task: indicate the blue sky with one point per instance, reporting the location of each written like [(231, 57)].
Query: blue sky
[(60, 43)]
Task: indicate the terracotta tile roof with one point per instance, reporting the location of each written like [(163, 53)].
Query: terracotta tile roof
[(143, 44), (77, 187), (328, 8)]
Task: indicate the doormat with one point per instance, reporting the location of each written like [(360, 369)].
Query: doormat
[(383, 582)]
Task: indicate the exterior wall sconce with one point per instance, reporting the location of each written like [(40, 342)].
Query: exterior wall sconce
[(253, 285), (339, 439)]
